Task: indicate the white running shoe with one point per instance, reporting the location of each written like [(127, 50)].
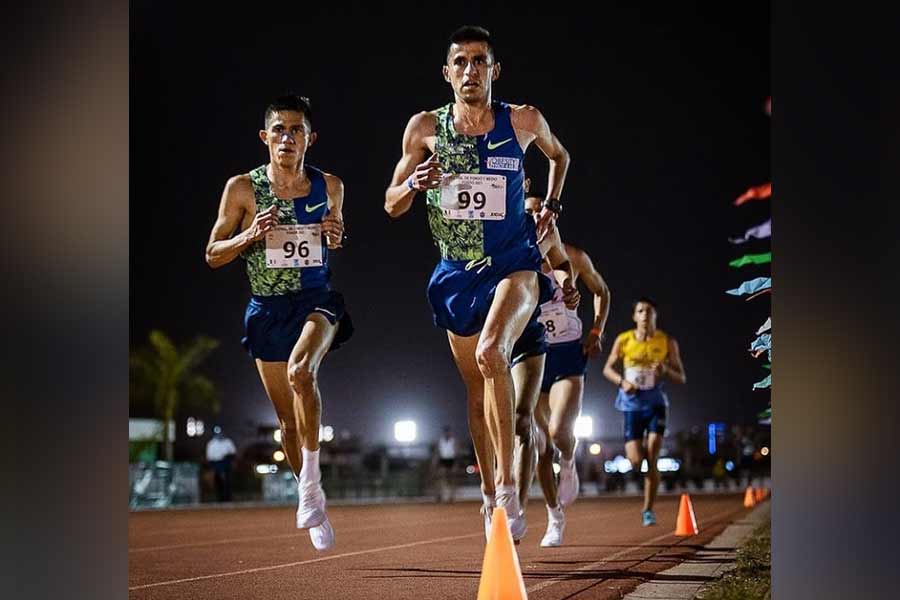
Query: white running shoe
[(556, 523), (311, 506), (322, 536), (508, 498), (568, 482)]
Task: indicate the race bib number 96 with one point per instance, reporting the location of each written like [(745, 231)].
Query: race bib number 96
[(292, 246), (472, 196)]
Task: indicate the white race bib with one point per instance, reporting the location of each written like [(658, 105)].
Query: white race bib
[(642, 377), (471, 196), (292, 246), (555, 320)]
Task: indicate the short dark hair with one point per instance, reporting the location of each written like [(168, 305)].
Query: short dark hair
[(472, 33), (645, 300), (292, 102)]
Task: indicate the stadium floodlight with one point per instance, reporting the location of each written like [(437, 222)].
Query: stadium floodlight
[(405, 431), (584, 427)]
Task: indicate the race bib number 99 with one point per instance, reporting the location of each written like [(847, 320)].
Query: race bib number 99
[(472, 196), (642, 377), (292, 246)]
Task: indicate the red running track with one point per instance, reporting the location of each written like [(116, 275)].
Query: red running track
[(406, 551)]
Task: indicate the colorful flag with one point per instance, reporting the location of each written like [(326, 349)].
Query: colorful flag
[(763, 342), (752, 286), (752, 259), (759, 192), (767, 382), (760, 232)]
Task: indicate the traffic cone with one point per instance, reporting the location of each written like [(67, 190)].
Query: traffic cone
[(501, 576), (686, 524), (749, 498)]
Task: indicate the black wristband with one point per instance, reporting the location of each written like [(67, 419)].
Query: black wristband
[(554, 204)]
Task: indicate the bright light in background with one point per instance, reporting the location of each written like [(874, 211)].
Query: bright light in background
[(556, 468), (729, 466), (470, 469), (264, 469), (595, 449), (584, 427), (276, 435), (405, 431), (326, 433), (619, 464), (194, 427), (664, 465), (278, 456), (764, 451)]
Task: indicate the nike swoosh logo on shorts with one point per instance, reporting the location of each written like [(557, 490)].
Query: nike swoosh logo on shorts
[(492, 145), (310, 209), (320, 309)]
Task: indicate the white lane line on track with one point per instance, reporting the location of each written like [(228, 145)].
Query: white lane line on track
[(571, 575), (306, 562), (274, 536)]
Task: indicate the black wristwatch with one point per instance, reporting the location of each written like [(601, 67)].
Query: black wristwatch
[(554, 204)]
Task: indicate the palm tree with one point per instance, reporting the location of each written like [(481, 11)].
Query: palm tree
[(164, 375)]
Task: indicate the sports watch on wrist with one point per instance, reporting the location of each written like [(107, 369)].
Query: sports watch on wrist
[(554, 204)]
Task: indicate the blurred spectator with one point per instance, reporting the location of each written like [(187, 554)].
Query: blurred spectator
[(446, 462), (220, 453)]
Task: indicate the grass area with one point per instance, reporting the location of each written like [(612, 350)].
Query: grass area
[(751, 579)]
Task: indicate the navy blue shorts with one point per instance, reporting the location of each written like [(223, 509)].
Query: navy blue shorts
[(532, 342), (563, 360), (651, 419), (460, 292), (272, 324)]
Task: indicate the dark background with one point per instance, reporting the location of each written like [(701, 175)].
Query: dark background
[(661, 111)]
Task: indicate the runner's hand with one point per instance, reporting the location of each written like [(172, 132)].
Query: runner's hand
[(333, 228), (263, 223), (592, 345), (427, 175), (545, 221), (628, 387), (571, 295)]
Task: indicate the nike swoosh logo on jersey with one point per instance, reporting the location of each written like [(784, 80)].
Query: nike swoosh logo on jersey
[(310, 209), (491, 145)]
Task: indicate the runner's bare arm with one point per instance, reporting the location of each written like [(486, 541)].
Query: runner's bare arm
[(532, 124), (672, 367), (413, 172), (563, 271), (608, 370), (597, 286), (333, 223), (237, 199)]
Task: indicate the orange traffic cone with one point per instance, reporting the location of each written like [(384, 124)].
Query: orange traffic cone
[(758, 494), (749, 498), (501, 576), (686, 524)]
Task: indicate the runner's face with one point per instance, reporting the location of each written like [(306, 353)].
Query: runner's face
[(645, 315), (532, 205), (287, 135), (470, 69)]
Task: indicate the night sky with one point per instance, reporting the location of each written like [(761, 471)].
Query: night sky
[(660, 110)]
